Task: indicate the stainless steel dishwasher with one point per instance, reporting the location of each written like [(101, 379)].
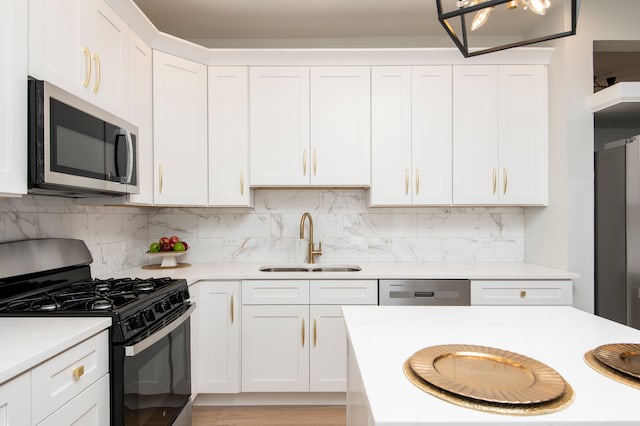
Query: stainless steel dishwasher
[(424, 292)]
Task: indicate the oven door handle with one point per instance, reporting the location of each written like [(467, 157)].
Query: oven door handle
[(134, 350)]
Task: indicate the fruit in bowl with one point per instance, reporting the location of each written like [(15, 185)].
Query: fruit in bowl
[(166, 244)]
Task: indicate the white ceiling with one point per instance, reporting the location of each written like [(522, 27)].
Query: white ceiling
[(209, 21)]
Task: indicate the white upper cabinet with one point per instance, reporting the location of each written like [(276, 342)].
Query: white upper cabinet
[(279, 126), (475, 136), (229, 137), (411, 135), (340, 145), (310, 126), (179, 130), (500, 145), (13, 101), (82, 47), (523, 150), (141, 114)]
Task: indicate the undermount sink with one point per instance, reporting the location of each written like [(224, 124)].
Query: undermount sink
[(310, 268)]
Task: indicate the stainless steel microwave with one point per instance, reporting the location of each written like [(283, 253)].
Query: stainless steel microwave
[(77, 149)]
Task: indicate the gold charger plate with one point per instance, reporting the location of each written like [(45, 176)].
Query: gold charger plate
[(624, 357), (609, 372), (490, 407), (488, 374)]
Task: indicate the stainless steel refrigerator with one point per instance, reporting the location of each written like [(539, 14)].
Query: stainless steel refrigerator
[(617, 231)]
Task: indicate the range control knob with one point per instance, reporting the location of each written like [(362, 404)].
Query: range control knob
[(149, 315), (135, 322)]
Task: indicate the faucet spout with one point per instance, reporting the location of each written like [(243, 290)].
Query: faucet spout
[(312, 251)]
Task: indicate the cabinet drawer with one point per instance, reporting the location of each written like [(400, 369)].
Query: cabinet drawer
[(91, 407), (59, 379), (557, 292), (343, 292), (275, 292)]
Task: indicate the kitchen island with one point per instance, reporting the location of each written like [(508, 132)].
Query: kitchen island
[(382, 338)]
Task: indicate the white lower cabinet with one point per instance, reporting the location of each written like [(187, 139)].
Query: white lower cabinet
[(71, 388), (218, 331), (89, 408), (293, 335), (15, 409), (522, 292)]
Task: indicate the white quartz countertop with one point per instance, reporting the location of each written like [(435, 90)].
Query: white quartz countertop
[(26, 342), (384, 337), (250, 271)]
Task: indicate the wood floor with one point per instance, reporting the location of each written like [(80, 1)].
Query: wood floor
[(270, 416)]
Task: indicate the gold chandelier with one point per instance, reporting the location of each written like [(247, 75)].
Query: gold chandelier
[(460, 26)]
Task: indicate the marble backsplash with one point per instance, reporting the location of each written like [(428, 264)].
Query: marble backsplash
[(349, 231)]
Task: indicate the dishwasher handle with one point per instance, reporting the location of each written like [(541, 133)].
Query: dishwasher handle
[(424, 294)]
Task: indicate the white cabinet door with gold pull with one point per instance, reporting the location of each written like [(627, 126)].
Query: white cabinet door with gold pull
[(275, 348), (89, 58), (523, 149), (340, 145), (475, 134), (411, 136), (218, 354), (279, 126), (229, 137), (328, 349), (500, 144), (179, 130)]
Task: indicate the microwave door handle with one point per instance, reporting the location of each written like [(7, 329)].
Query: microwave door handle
[(129, 173)]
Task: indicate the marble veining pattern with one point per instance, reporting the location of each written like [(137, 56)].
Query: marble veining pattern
[(349, 231)]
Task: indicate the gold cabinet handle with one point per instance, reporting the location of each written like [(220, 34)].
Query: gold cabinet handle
[(232, 308), (241, 182), (417, 181), (406, 181), (87, 68), (304, 162), (504, 180), (315, 332), (523, 293), (494, 180), (303, 332), (78, 372), (96, 59), (160, 175), (315, 162)]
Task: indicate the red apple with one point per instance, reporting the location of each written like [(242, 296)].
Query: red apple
[(165, 247), (186, 246), (164, 240), (174, 239)]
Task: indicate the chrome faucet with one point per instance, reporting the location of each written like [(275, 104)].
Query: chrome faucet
[(312, 250)]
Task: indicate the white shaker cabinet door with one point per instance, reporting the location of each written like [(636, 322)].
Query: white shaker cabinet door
[(218, 356), (179, 130), (275, 348), (340, 143), (229, 137), (431, 136), (475, 134), (141, 114), (15, 401), (523, 153), (328, 353), (13, 101), (391, 136), (279, 126), (107, 36)]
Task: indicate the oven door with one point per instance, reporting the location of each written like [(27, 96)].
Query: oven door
[(151, 381)]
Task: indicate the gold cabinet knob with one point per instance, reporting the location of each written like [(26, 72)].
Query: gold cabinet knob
[(78, 372), (523, 293)]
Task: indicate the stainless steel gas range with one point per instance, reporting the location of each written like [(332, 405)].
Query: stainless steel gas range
[(150, 337)]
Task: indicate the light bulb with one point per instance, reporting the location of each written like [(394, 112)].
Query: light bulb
[(539, 6), (480, 18)]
